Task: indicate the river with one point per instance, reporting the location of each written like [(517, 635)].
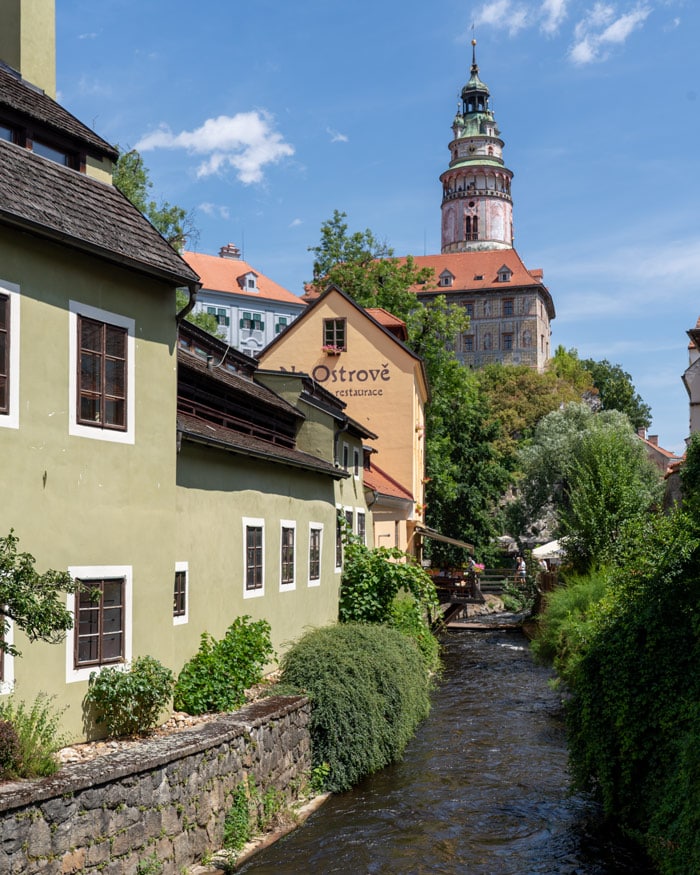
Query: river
[(482, 788)]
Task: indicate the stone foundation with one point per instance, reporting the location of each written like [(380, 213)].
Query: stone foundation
[(167, 796)]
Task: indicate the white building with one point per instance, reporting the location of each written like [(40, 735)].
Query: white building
[(251, 309)]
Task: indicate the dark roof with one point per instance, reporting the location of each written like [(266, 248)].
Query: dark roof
[(255, 392), (200, 431), (53, 201), (25, 99)]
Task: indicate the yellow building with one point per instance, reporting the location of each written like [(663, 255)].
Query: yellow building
[(361, 361)]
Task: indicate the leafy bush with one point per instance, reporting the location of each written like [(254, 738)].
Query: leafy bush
[(130, 702), (369, 688), (10, 750), (372, 577), (408, 617), (217, 676), (564, 625), (633, 716), (37, 730)]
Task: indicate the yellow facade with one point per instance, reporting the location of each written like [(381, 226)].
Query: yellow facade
[(379, 379)]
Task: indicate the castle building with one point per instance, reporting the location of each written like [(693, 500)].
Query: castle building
[(509, 306)]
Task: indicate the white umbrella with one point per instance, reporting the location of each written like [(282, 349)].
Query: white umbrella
[(550, 550)]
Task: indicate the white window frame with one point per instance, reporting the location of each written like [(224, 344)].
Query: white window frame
[(315, 581), (99, 572), (7, 685), (288, 587), (356, 466), (11, 418), (257, 523), (338, 513), (182, 619), (76, 309), (360, 511)]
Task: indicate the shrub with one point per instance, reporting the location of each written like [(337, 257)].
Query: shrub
[(372, 578), (369, 689), (10, 750), (565, 624), (130, 702), (408, 617), (37, 731), (217, 676)]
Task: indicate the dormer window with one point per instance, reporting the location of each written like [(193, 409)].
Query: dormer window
[(249, 282), (6, 134), (446, 278), (504, 274)]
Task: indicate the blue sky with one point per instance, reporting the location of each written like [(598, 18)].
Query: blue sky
[(264, 117)]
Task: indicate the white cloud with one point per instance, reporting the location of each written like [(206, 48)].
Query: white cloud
[(553, 12), (209, 209), (336, 136), (246, 142), (295, 223), (503, 13), (87, 35), (604, 26)]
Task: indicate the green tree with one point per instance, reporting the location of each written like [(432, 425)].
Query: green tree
[(34, 602), (610, 483), (519, 397), (365, 269), (617, 391), (546, 464), (131, 177)]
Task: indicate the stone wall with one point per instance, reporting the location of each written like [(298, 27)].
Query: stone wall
[(167, 796)]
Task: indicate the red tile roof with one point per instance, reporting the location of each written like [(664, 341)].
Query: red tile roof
[(378, 480), (478, 270), (222, 275)]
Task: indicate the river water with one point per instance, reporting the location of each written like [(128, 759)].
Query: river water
[(482, 788)]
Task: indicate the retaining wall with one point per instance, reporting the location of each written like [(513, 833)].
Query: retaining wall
[(167, 796)]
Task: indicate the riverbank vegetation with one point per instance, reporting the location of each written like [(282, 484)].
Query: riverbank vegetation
[(624, 636)]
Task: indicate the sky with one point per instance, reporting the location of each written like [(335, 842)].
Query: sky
[(264, 117)]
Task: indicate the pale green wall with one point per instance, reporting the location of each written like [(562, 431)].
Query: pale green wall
[(74, 501), (216, 490)]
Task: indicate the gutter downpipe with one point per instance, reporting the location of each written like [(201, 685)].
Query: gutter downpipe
[(192, 289)]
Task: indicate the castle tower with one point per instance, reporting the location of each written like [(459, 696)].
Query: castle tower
[(477, 210)]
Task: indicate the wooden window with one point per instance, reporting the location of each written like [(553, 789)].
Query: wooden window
[(280, 324), (314, 554), (99, 622), (356, 462), (361, 527), (102, 377), (468, 343), (339, 540), (508, 307), (287, 555), (180, 594), (469, 306), (252, 322), (334, 333), (59, 156), (507, 341), (6, 133), (4, 353), (472, 228), (254, 558)]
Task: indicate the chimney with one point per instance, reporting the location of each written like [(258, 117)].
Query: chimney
[(642, 432), (28, 40), (230, 251), (653, 439)]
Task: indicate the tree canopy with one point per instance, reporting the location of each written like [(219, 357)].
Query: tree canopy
[(35, 602), (131, 177)]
